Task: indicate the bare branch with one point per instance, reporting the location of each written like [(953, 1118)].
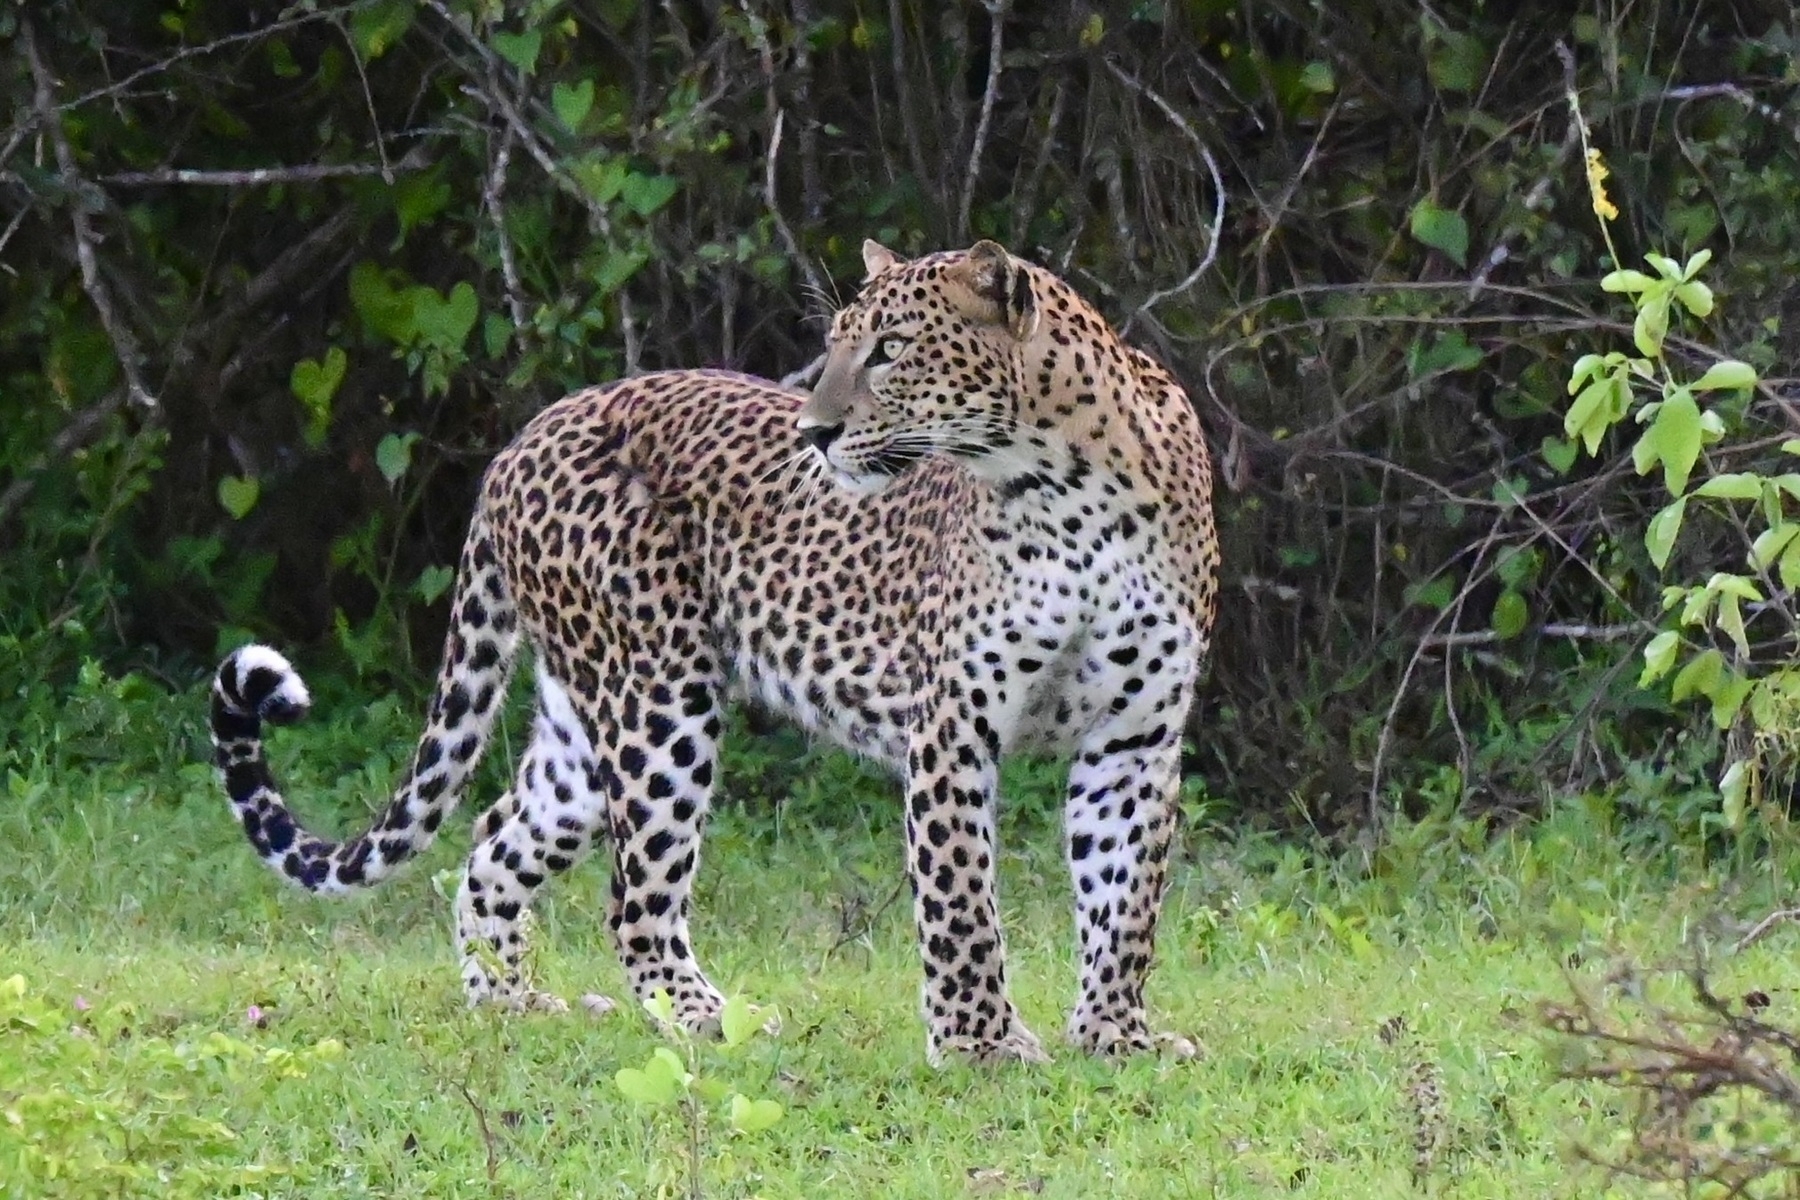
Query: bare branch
[(1574, 633), (257, 177), (997, 10), (124, 342), (71, 437), (766, 52), (1218, 181), (1762, 928)]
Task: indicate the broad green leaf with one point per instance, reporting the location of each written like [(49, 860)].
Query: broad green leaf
[(661, 1007), (1586, 418), (642, 1086), (1726, 584), (384, 305), (1726, 375), (1434, 593), (1559, 453), (433, 582), (739, 1020), (600, 178), (1697, 298), (1652, 324), (1625, 280), (572, 103), (1315, 76), (1734, 790), (393, 455), (753, 1116), (1456, 62), (520, 49), (1659, 535), (1659, 656), (1731, 621), (237, 496), (445, 321), (1442, 229), (375, 28), (1728, 698), (644, 194), (1674, 440), (1701, 677), (1667, 267), (1771, 542), (1509, 616), (314, 383), (1696, 264), (1519, 566), (1734, 485), (1790, 566), (1449, 352)]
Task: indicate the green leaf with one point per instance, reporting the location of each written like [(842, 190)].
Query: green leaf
[(572, 103), (753, 1116), (1435, 593), (661, 1007), (1734, 790), (520, 49), (1733, 485), (238, 495), (393, 455), (385, 306), (1673, 439), (1701, 676), (641, 1086), (1667, 267), (1442, 229), (1450, 352), (1559, 453), (1659, 656), (1695, 264), (644, 194), (1625, 280), (433, 582), (315, 383), (1728, 698), (445, 321), (1697, 298), (739, 1020), (1317, 77), (376, 28), (1652, 324), (1509, 616), (1731, 621), (1659, 535), (1771, 542), (1456, 62), (1730, 374)]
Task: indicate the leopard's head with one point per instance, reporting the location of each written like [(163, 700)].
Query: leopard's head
[(927, 359)]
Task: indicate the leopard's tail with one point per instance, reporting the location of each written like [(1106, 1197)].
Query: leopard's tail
[(256, 684)]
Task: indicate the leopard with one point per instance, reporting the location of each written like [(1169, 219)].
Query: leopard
[(988, 530)]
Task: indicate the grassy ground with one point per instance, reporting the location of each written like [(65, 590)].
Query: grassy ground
[(1347, 1014)]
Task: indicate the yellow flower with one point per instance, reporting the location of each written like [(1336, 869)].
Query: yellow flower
[(1596, 176)]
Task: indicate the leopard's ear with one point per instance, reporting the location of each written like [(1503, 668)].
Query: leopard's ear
[(998, 289), (878, 260)]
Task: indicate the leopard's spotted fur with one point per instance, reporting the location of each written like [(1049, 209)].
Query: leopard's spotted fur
[(1022, 557)]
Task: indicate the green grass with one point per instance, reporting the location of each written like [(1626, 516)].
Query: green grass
[(124, 882)]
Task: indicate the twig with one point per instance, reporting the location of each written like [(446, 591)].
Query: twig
[(487, 1134), (494, 200), (1218, 181), (1576, 633), (1762, 928), (1536, 198), (766, 55), (387, 172), (124, 343), (258, 177), (997, 10)]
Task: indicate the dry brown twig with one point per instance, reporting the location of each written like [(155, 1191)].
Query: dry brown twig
[(997, 10)]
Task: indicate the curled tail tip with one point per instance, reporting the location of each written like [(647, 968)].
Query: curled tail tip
[(258, 681)]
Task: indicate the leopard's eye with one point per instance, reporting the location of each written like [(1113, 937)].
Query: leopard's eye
[(885, 351)]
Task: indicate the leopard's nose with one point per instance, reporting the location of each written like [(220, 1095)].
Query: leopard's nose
[(820, 437)]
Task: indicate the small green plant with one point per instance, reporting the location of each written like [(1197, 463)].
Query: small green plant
[(91, 1104), (670, 1083), (1681, 419)]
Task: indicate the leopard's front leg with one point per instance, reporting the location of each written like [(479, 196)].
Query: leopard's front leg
[(952, 773)]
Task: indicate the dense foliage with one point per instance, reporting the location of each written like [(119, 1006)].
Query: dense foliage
[(278, 280)]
